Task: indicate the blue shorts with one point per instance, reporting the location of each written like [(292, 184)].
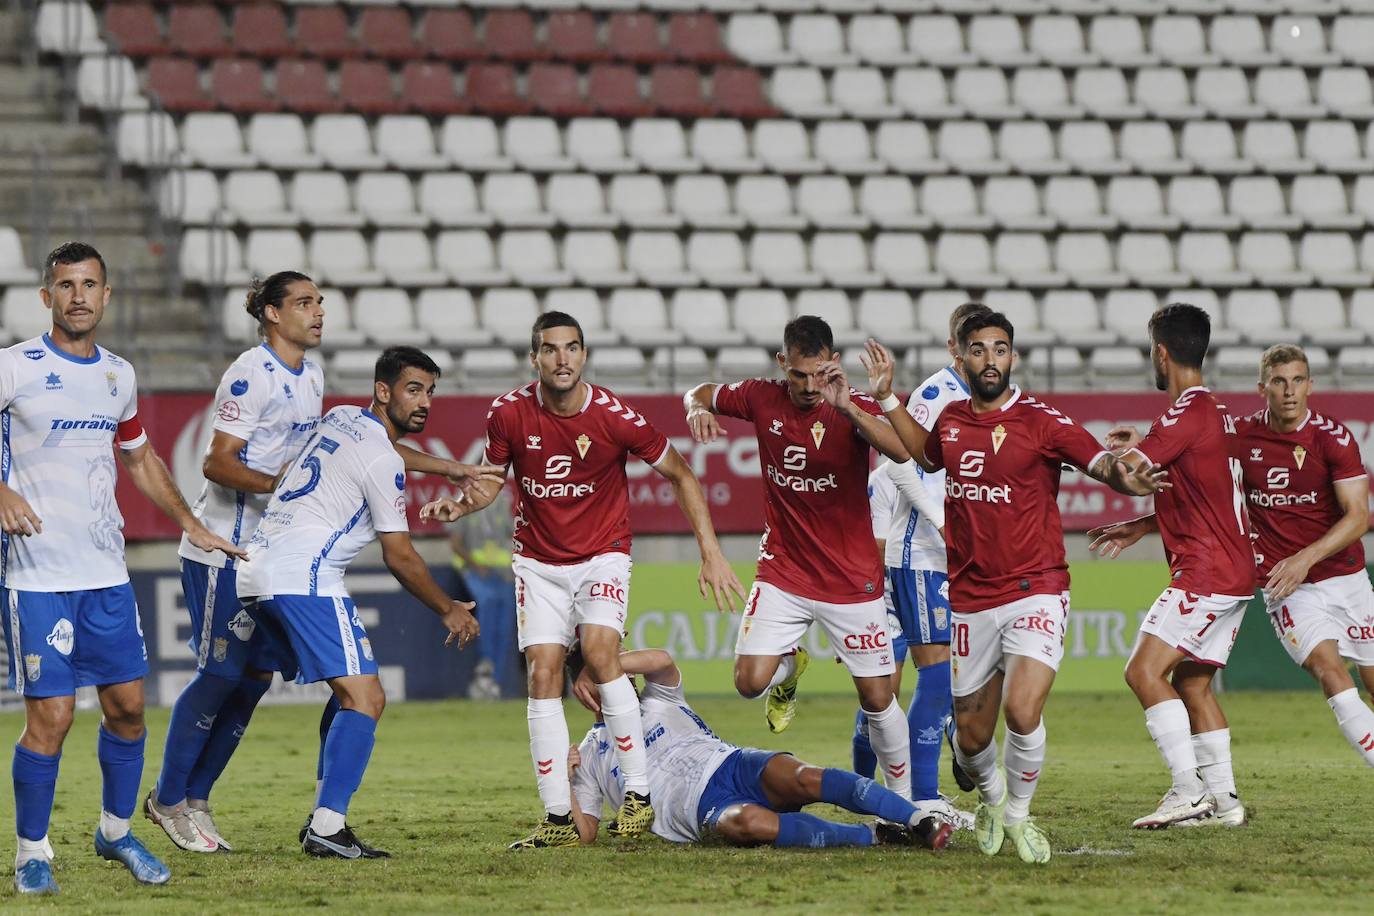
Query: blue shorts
[(737, 781), (325, 635), (922, 601), (225, 637), (60, 641)]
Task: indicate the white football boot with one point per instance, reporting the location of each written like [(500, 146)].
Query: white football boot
[(1175, 807)]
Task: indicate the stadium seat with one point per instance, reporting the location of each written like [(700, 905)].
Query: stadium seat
[(661, 146), (406, 258), (322, 200), (279, 141), (1149, 146), (134, 29), (780, 258), (675, 90), (509, 313), (509, 34), (1196, 200), (738, 92), (1074, 319), (819, 40), (1318, 315), (939, 40), (1180, 41), (340, 256), (1240, 41), (889, 316), (197, 30), (345, 142), (1164, 94), (862, 93), (572, 36), (1137, 202), (1117, 366), (575, 200), (1074, 203), (469, 258), (1210, 302), (472, 143), (1269, 257), (270, 250), (387, 199), (1362, 198), (634, 37), (1060, 368), (1058, 40), (1320, 201), (322, 31), (842, 259), (173, 81), (922, 93), (365, 87), (1126, 311), (303, 87), (428, 88), (703, 317), (966, 258), (1087, 258), (642, 317), (1352, 37), (757, 38), (449, 199), (696, 38), (447, 33), (1119, 39), (801, 91), (1088, 147), (783, 146), (1301, 40), (1258, 201), (1346, 92), (1224, 92), (258, 30), (535, 144), (889, 202), (1024, 257), (827, 202), (553, 89), (845, 147), (513, 199), (906, 148), (387, 317), (982, 92), (1211, 147), (67, 28), (765, 202), (1019, 307), (494, 368), (878, 40), (597, 145), (1103, 93), (997, 40), (833, 307), (1285, 93), (1028, 147), (492, 87), (657, 258), (237, 85), (450, 317), (904, 258), (1209, 258), (211, 257), (593, 257), (13, 269), (614, 90), (256, 198), (1334, 147), (760, 313), (951, 201), (1331, 258), (1361, 319), (190, 196), (743, 362), (150, 138), (967, 147), (1042, 92), (1273, 147), (388, 33), (1257, 314)]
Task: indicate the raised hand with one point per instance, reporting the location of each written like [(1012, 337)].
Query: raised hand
[(880, 368), (443, 509), (1144, 479), (833, 383), (704, 425)]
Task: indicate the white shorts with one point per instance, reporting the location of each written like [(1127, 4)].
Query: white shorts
[(1202, 627), (1033, 627), (552, 601), (775, 622), (1340, 608)]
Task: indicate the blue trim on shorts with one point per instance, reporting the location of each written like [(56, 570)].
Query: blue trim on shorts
[(325, 634), (737, 781), (66, 640), (921, 599)]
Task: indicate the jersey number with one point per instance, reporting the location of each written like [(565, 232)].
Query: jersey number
[(961, 640), (311, 464)]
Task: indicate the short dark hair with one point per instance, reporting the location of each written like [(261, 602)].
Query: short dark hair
[(957, 316), (553, 320), (808, 335), (395, 360), (1184, 330), (977, 321), (272, 291), (70, 253)]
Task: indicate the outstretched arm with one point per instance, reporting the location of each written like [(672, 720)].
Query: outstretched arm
[(464, 475), (154, 481), (1109, 540), (716, 573), (1130, 474), (399, 555), (474, 498), (876, 431), (701, 413)]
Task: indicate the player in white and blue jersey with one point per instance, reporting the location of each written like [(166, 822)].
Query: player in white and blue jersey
[(703, 786), (914, 556), (70, 619), (344, 490)]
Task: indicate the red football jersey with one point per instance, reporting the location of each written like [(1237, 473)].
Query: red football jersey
[(1202, 518), (818, 534), (1290, 483), (1002, 469), (573, 499)]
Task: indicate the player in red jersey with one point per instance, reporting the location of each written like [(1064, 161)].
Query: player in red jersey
[(568, 441), (817, 559), (1002, 451), (1189, 631)]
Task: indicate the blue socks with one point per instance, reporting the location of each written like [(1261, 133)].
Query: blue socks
[(193, 720), (860, 751), (35, 781), (925, 723), (807, 830), (230, 724), (121, 770), (346, 752), (864, 796), (331, 709)]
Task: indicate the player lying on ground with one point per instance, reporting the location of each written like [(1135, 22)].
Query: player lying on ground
[(1308, 497), (704, 785), (1009, 582), (1188, 633)]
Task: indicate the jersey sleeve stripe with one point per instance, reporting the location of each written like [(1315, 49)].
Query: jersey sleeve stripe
[(1142, 455), (667, 447), (1098, 457), (1347, 479)]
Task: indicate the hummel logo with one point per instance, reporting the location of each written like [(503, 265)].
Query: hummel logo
[(624, 743), (776, 428), (206, 722), (545, 767), (534, 444)]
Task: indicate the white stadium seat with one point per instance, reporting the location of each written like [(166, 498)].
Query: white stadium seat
[(407, 142), (323, 200), (575, 200), (388, 199), (345, 142)]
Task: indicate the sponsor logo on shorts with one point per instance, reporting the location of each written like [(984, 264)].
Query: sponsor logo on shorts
[(33, 666), (61, 636), (613, 590), (873, 640), (242, 625), (221, 648), (1039, 622), (1362, 632)]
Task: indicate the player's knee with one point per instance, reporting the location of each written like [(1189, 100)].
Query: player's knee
[(748, 685), (875, 694), (1022, 718), (45, 731), (809, 780), (743, 825)]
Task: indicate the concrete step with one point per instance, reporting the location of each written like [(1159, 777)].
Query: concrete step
[(18, 81), (19, 194), (13, 34)]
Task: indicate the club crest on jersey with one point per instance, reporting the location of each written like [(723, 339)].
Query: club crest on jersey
[(818, 433), (35, 354), (112, 381), (999, 435), (584, 442), (1299, 455), (53, 382), (221, 648), (33, 666), (533, 444)]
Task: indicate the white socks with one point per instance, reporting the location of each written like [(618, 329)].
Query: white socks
[(1213, 752), (32, 849), (549, 750), (620, 711), (113, 828), (1169, 726), (326, 822), (786, 665), (1022, 756), (982, 766), (1356, 721), (890, 737)]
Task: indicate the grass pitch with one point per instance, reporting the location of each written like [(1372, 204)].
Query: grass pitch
[(450, 785)]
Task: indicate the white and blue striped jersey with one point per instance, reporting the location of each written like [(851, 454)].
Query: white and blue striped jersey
[(274, 409), (914, 540), (61, 417), (346, 486)]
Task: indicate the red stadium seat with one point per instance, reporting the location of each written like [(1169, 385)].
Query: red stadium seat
[(135, 29), (322, 31), (303, 86), (260, 31), (448, 34), (176, 83), (572, 36), (491, 88), (739, 93), (428, 87), (676, 90), (365, 86), (386, 32), (236, 85), (509, 34), (553, 90), (197, 30), (634, 37), (614, 90), (696, 37)]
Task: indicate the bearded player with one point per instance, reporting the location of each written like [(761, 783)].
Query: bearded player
[(1307, 493), (1002, 451), (1188, 633), (817, 560), (568, 441)]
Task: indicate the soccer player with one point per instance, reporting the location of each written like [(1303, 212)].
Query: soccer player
[(747, 796), (70, 617), (1188, 633), (568, 441), (267, 405), (817, 560), (1307, 494), (1002, 450), (345, 489)]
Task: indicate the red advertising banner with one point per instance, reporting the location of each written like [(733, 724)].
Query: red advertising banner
[(179, 426)]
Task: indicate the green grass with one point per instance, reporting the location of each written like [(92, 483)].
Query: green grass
[(450, 785)]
